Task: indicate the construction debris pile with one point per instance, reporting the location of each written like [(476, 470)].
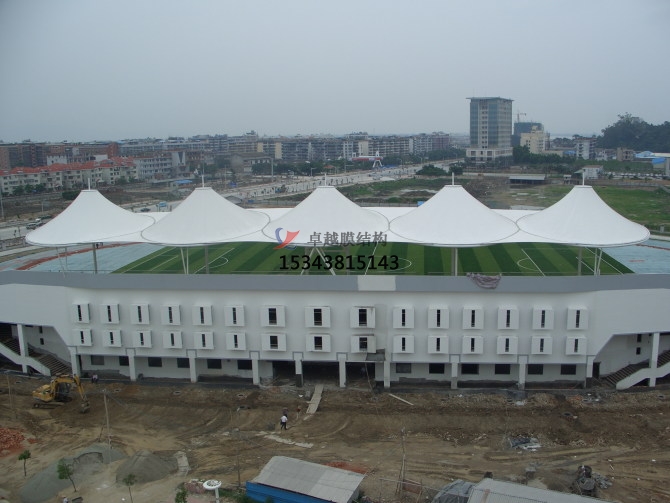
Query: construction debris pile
[(10, 440)]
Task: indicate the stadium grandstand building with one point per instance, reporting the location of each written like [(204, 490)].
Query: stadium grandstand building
[(458, 331)]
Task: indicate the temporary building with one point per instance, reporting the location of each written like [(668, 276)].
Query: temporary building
[(289, 480)]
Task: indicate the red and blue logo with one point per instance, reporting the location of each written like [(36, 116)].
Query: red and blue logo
[(286, 241)]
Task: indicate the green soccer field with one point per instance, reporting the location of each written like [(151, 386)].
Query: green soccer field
[(517, 259)]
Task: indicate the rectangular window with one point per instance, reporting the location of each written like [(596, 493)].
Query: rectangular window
[(472, 345), (171, 339), (473, 319), (272, 316), (438, 318), (203, 340), (507, 345), (578, 314), (109, 313), (576, 346), (234, 315), (274, 342), (214, 363), (170, 315), (639, 338), (438, 344), (638, 351), (82, 336), (403, 318), (436, 368), (403, 368), (568, 370), (155, 361), (183, 363), (470, 368), (363, 317), (142, 341), (542, 345), (97, 360), (543, 318), (244, 365), (139, 314), (503, 369), (318, 342), (202, 315), (80, 313), (111, 338), (236, 341), (403, 344), (363, 343), (318, 317), (535, 369), (508, 318), (124, 361)]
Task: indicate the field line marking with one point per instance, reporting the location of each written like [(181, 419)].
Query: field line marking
[(532, 262), (218, 257)]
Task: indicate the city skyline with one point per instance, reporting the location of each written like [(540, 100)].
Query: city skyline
[(101, 70)]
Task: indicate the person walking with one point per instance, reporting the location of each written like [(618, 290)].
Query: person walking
[(283, 421)]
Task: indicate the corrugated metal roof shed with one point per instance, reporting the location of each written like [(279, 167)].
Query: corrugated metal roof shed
[(498, 491), (311, 479)]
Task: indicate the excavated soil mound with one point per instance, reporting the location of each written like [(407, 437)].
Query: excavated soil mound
[(147, 467)]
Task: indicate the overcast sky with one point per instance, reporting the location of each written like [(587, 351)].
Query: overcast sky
[(82, 70)]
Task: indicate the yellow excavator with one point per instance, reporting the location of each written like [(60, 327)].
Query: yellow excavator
[(57, 392)]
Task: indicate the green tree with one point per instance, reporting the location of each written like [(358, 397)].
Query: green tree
[(19, 190), (431, 170), (24, 456), (65, 471), (182, 495), (130, 480)]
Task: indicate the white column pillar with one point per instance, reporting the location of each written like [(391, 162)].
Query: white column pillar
[(387, 374), (74, 360), (455, 361), (23, 348), (299, 379), (342, 364), (192, 365), (255, 372), (132, 368), (523, 366), (653, 360)]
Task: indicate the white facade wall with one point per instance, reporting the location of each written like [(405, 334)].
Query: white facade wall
[(586, 319)]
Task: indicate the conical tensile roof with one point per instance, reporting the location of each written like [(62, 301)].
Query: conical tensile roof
[(582, 218), (205, 217), (326, 210), (90, 218), (452, 217)]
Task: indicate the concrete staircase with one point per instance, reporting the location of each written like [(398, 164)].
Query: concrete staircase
[(633, 374), (42, 363)]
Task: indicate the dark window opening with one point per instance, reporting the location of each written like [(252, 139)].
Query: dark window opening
[(543, 318), (274, 342), (503, 369), (362, 317), (214, 363), (318, 317), (155, 361), (535, 369), (97, 360), (568, 370), (244, 365), (436, 368), (363, 343), (438, 316), (403, 368), (578, 315), (472, 318), (318, 342), (470, 368), (638, 351), (124, 361), (183, 363), (272, 316)]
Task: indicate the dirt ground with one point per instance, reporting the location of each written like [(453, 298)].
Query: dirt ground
[(428, 437)]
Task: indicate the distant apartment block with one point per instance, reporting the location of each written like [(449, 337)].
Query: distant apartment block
[(585, 148), (490, 129)]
